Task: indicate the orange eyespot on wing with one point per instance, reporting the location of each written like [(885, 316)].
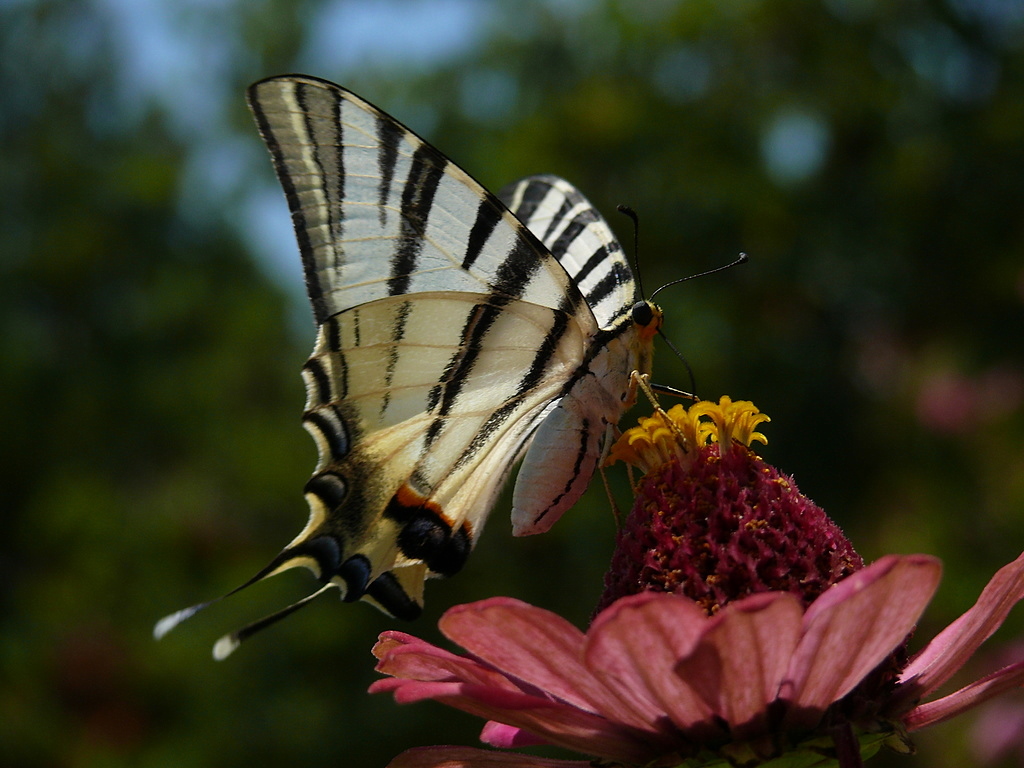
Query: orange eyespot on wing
[(427, 534)]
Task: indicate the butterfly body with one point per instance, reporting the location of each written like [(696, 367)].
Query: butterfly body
[(453, 328)]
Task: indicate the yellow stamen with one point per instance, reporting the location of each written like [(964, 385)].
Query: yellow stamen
[(675, 434)]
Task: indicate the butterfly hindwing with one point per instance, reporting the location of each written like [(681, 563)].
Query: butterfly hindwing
[(409, 460)]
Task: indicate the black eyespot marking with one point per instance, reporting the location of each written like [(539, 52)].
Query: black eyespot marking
[(386, 590), (356, 573), (329, 487), (453, 555), (326, 550), (427, 535), (429, 538)]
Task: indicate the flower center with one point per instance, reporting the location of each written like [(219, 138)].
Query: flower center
[(712, 520)]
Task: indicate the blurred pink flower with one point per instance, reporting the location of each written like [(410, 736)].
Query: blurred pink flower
[(952, 403), (718, 659), (996, 734)]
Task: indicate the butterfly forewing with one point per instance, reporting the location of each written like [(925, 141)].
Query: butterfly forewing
[(449, 333), (579, 237), (359, 183)]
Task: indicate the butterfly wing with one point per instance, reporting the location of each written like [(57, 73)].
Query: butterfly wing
[(447, 333), (379, 212), (446, 330), (578, 236), (570, 441)]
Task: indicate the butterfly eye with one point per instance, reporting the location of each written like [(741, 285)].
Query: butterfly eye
[(643, 313)]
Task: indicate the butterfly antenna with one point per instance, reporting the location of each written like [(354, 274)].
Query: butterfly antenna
[(227, 644), (741, 259), (636, 243), (665, 390)]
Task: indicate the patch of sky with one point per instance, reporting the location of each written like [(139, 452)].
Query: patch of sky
[(217, 171), (346, 35), (266, 227), (176, 55), (957, 71), (684, 74), (1002, 20), (794, 145), (180, 56), (488, 96)]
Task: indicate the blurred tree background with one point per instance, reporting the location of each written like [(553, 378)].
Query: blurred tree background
[(868, 155)]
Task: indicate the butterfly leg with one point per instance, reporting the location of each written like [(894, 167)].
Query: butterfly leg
[(642, 382), (610, 436)]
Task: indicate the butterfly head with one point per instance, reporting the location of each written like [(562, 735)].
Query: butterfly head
[(647, 318)]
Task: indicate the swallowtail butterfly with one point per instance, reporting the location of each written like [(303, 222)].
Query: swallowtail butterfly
[(456, 331)]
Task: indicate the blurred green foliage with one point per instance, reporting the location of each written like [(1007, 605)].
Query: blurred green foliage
[(869, 156)]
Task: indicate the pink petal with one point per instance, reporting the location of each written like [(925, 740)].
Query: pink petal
[(554, 722), (542, 650), (634, 646), (852, 627), (740, 662), (392, 639), (951, 648), (967, 697), (420, 660), (468, 757), (507, 736), (386, 686)]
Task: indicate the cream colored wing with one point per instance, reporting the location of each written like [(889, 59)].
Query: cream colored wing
[(447, 332)]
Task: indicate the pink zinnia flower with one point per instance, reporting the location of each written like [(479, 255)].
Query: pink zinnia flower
[(738, 625)]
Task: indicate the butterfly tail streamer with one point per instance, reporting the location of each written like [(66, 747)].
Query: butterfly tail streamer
[(227, 644), (169, 622)]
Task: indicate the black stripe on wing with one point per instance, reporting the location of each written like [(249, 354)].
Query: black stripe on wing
[(313, 288), (488, 214), (417, 200), (524, 198), (397, 333), (446, 393), (616, 276), (389, 134)]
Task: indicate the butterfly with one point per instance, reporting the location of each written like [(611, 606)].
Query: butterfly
[(456, 331)]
